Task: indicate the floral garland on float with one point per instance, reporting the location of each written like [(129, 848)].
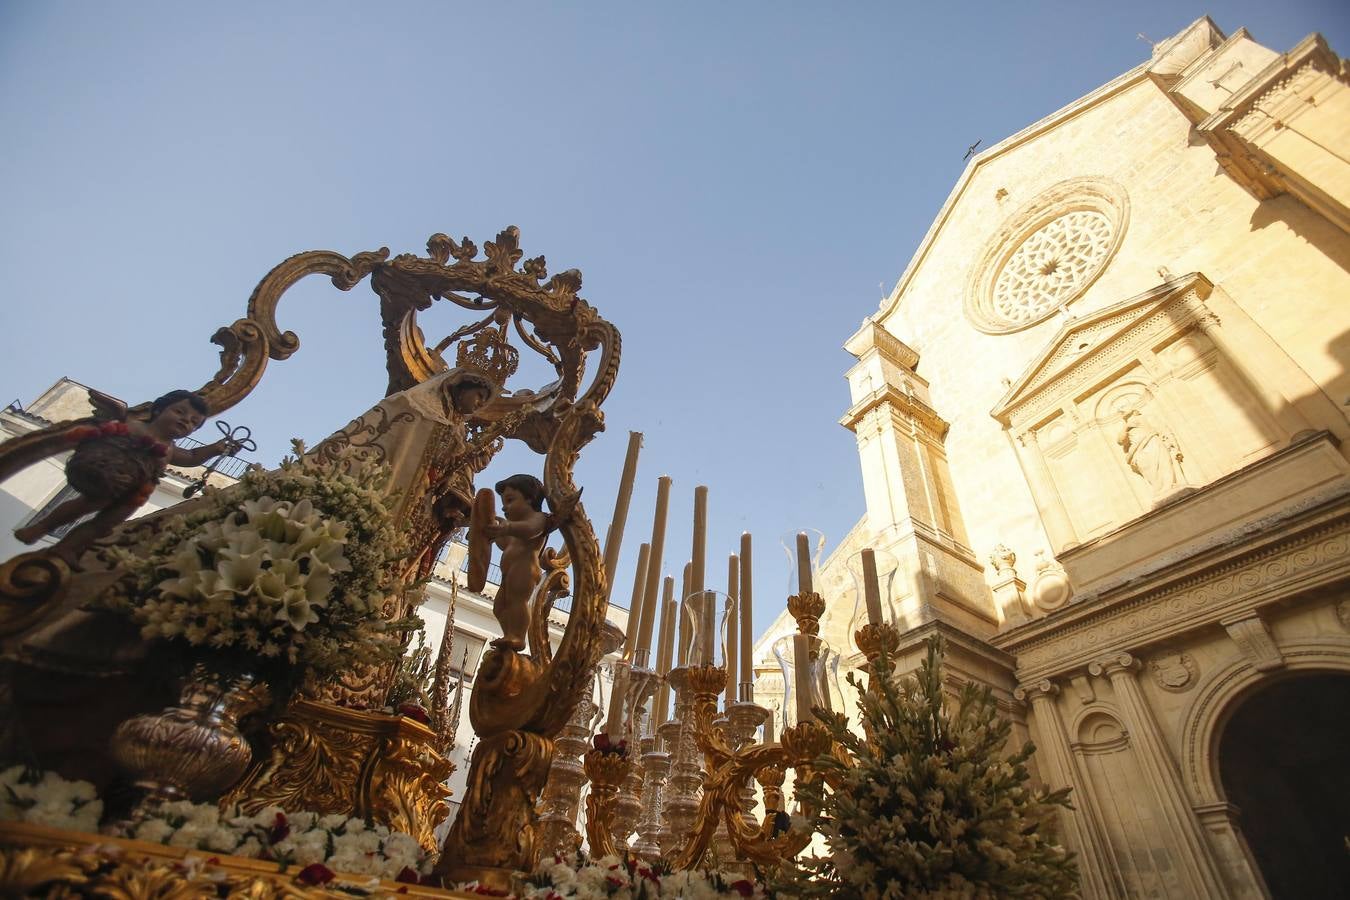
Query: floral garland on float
[(275, 582), (284, 572), (319, 845)]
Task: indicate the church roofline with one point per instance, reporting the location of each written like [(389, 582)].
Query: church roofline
[(1121, 83)]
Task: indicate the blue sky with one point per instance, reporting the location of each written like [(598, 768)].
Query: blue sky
[(737, 182)]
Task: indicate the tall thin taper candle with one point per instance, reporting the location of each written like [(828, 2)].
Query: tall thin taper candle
[(801, 676), (871, 586), (732, 640), (649, 598), (664, 650), (614, 537), (686, 622), (635, 607), (617, 699), (698, 557), (745, 601), (708, 610), (803, 563)]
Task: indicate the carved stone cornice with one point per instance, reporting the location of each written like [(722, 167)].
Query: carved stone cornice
[(871, 336), (904, 407), (1311, 552)]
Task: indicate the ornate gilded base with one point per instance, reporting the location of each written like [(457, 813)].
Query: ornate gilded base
[(36, 861), (328, 759), (494, 834)]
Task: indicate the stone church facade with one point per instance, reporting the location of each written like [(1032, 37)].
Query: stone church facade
[(1104, 426)]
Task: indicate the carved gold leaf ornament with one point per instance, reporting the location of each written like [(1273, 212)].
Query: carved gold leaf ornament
[(531, 701), (36, 861)]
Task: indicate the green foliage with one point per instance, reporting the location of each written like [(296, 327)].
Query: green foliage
[(929, 804)]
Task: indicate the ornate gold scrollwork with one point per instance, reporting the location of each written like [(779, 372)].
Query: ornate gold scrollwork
[(328, 759), (36, 861), (495, 828), (606, 772)]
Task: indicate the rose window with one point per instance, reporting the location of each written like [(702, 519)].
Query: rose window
[(1051, 266), (1046, 255)]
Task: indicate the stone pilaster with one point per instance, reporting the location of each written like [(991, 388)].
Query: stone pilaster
[(1096, 867), (1200, 870)]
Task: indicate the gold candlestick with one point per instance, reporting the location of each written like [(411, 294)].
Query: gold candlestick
[(606, 771)]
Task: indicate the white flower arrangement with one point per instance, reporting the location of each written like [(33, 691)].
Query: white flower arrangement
[(339, 843), (626, 879), (287, 567), (305, 839), (45, 798)]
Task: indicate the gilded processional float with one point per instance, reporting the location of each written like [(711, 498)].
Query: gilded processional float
[(216, 672)]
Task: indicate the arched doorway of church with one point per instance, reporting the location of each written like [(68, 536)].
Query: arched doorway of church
[(1284, 758)]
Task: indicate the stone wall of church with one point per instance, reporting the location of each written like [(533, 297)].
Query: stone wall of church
[(1279, 263)]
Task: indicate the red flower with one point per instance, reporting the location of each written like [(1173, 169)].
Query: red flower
[(743, 887), (602, 742), (615, 880), (408, 875), (414, 711), (315, 873), (280, 828)]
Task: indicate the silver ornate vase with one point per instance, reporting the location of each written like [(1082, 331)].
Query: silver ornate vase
[(193, 750)]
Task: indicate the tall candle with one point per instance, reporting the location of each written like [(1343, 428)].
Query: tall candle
[(708, 610), (801, 675), (618, 693), (614, 537), (732, 640), (696, 559), (665, 649), (658, 543), (803, 563), (635, 606), (871, 586), (768, 727), (747, 634), (686, 622)]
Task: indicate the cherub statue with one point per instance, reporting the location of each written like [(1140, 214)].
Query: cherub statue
[(520, 535), (117, 463)]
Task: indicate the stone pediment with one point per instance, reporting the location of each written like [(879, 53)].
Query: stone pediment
[(1089, 345)]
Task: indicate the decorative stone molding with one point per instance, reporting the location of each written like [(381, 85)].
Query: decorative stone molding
[(1050, 589), (1226, 686), (1300, 562), (1082, 686), (1045, 688), (1253, 638), (1003, 561), (1113, 664), (1047, 254), (872, 336), (1087, 348), (1174, 672), (905, 408)]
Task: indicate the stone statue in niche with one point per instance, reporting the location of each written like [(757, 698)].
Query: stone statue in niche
[(1151, 453)]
